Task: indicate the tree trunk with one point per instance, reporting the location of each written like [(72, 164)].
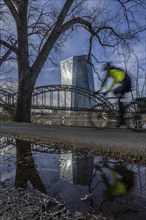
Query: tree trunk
[(23, 106)]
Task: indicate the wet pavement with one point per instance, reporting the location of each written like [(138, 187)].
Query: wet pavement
[(117, 143), (36, 177)]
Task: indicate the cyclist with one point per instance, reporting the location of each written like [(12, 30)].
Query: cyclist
[(118, 179), (119, 76)]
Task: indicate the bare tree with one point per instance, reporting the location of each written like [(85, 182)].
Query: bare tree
[(44, 27)]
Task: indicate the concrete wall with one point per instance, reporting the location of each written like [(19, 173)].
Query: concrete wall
[(80, 119), (83, 120)]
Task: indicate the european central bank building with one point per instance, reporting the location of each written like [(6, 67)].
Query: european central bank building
[(77, 72)]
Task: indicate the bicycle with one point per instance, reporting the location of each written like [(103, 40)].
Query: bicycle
[(134, 114)]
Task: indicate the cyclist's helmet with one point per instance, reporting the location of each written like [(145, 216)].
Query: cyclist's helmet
[(106, 66)]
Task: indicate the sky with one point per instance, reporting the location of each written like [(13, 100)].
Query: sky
[(77, 45), (74, 46)]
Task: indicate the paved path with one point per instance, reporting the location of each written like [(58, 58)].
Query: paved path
[(117, 143)]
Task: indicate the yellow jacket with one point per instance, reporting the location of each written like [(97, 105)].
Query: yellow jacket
[(116, 74)]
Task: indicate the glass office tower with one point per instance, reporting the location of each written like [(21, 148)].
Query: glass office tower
[(77, 168), (76, 71)]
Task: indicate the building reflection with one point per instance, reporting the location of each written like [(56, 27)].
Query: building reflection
[(77, 168)]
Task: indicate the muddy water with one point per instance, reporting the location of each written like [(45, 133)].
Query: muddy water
[(81, 181)]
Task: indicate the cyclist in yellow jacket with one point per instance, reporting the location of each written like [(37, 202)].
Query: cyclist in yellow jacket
[(121, 77)]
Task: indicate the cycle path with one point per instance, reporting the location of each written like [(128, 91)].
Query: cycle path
[(115, 143)]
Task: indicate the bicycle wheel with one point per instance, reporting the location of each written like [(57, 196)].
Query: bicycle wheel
[(134, 119)]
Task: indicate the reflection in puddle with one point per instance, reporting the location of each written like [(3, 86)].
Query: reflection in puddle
[(83, 182)]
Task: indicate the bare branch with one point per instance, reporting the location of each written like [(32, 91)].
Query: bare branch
[(10, 47), (94, 31), (13, 10), (42, 56), (6, 55)]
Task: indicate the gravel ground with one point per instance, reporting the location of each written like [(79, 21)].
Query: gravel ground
[(17, 204)]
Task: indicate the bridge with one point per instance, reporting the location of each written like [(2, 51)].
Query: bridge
[(8, 143), (7, 98), (56, 97)]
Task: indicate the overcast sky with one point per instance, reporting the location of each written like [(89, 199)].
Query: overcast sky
[(78, 45)]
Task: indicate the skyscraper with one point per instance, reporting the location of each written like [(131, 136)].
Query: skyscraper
[(76, 71), (77, 168)]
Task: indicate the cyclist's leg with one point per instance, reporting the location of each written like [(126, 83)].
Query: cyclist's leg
[(122, 89), (119, 92), (122, 108)]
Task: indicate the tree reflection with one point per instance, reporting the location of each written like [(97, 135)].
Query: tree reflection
[(25, 167)]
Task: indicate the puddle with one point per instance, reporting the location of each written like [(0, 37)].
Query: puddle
[(81, 181)]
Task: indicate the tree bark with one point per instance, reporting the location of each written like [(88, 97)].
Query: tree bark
[(23, 106)]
